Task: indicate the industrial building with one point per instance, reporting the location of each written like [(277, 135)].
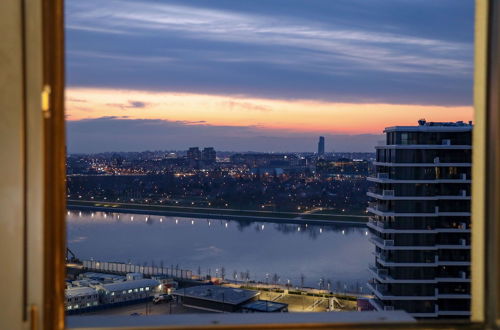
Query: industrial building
[(127, 290), (420, 220), (101, 277), (80, 297), (215, 298)]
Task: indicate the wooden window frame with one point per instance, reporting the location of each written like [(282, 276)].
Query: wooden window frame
[(486, 183)]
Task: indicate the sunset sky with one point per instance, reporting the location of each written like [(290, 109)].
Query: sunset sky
[(262, 75)]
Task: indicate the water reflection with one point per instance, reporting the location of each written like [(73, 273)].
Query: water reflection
[(311, 229), (305, 252)]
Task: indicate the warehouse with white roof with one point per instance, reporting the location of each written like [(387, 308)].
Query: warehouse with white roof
[(127, 290), (81, 297)]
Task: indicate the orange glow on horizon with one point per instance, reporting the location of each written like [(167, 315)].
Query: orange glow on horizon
[(268, 114)]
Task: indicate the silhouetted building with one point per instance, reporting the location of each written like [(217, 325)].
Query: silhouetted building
[(321, 146), (194, 153), (265, 159), (420, 220), (343, 167), (193, 156), (208, 156)]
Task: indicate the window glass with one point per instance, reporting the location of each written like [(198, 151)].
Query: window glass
[(234, 156)]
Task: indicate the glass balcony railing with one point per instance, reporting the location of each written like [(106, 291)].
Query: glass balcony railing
[(384, 242), (382, 175), (387, 192)]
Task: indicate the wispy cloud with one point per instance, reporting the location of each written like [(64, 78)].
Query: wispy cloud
[(121, 57), (98, 30), (235, 105), (293, 116), (130, 105), (324, 45)]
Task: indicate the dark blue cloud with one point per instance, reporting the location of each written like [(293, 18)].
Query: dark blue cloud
[(122, 134), (404, 51), (130, 105)]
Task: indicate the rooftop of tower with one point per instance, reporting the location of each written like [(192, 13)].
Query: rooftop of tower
[(425, 126)]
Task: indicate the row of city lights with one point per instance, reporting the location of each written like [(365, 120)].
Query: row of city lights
[(226, 224)]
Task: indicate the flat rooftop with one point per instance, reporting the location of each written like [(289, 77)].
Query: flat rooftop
[(79, 292), (424, 126), (264, 306), (94, 275), (217, 293), (128, 285)]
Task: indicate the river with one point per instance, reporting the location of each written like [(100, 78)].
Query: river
[(336, 255)]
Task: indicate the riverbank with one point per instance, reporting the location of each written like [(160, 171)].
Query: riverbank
[(217, 213)]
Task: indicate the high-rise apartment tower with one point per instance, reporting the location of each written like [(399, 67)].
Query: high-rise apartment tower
[(420, 220)]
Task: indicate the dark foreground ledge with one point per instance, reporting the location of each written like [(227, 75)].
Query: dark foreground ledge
[(231, 321)]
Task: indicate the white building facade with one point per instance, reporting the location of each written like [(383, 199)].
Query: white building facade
[(127, 290)]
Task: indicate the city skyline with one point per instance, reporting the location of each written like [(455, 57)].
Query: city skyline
[(254, 75)]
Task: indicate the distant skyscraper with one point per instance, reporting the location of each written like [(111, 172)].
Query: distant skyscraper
[(321, 146), (420, 220), (193, 156), (208, 156)]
